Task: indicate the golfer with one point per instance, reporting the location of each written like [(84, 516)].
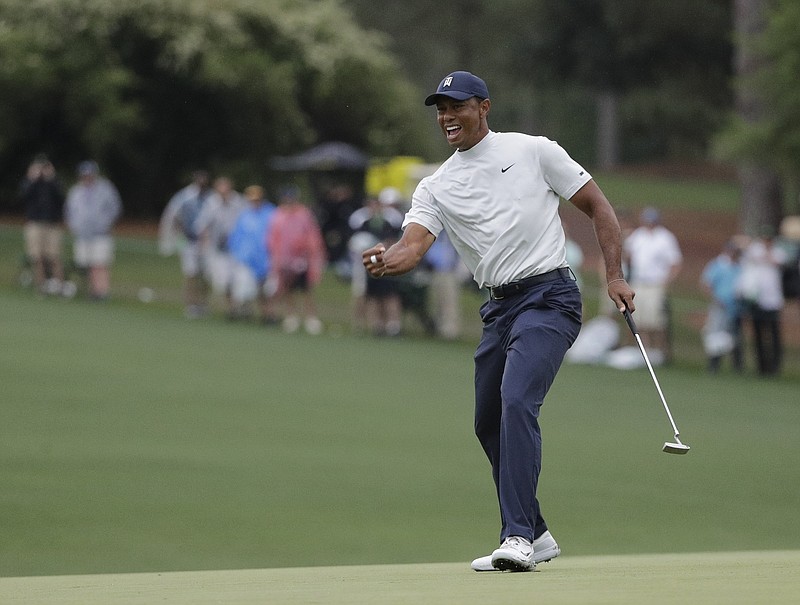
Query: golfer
[(497, 198)]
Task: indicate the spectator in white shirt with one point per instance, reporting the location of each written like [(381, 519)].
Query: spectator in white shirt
[(654, 259)]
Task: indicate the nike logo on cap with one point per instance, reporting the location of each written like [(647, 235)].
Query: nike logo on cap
[(503, 170)]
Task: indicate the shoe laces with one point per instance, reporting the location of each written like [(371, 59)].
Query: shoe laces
[(517, 542)]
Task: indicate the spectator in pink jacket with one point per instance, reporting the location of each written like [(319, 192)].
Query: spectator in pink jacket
[(297, 250)]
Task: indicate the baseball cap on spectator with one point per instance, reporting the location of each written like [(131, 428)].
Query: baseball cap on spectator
[(650, 216), (89, 167), (254, 193), (390, 196), (459, 85)]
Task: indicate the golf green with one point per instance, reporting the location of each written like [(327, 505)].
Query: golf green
[(698, 578)]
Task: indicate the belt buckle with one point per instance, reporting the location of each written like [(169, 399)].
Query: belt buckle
[(499, 296)]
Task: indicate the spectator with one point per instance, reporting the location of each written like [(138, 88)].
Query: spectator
[(179, 228), (790, 241), (336, 206), (297, 255), (761, 289), (248, 247), (358, 276), (92, 208), (722, 333), (382, 303), (215, 224), (446, 286), (654, 258), (43, 197), (413, 287)]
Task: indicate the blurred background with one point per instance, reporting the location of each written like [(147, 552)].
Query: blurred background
[(153, 90), (687, 107)]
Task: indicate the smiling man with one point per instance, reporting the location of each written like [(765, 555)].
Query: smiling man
[(497, 197)]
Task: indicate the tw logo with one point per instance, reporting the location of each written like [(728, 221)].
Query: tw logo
[(447, 81)]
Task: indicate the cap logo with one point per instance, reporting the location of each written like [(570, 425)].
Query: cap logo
[(447, 81)]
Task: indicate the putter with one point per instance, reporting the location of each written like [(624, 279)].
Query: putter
[(669, 448)]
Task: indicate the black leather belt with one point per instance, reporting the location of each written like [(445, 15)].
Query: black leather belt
[(515, 287)]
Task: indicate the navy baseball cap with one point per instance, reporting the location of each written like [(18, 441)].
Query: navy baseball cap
[(89, 167), (460, 85), (650, 216)]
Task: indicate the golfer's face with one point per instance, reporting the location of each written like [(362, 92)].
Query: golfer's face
[(463, 123)]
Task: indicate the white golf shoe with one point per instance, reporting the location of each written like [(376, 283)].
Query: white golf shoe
[(514, 554), (545, 549)]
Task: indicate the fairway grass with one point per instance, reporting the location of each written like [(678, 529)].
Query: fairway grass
[(733, 578), (150, 449), (133, 440)]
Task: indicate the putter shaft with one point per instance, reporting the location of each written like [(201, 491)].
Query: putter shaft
[(679, 447)]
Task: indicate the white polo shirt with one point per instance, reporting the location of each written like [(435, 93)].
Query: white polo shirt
[(652, 253), (498, 202)]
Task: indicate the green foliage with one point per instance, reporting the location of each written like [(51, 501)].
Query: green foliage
[(154, 89), (773, 137), (668, 63)]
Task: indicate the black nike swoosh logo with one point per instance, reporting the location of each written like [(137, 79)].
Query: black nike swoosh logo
[(503, 170)]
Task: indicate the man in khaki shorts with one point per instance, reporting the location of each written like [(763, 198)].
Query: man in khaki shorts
[(655, 259), (43, 197), (93, 207)]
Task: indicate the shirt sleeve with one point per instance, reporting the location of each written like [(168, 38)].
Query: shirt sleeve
[(423, 210), (563, 174)]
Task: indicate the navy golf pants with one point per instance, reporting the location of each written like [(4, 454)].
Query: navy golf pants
[(524, 340)]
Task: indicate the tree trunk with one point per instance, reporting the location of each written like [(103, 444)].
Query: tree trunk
[(761, 193), (761, 189), (607, 143)]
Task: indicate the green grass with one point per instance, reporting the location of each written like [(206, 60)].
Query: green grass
[(133, 440), (707, 578), (674, 193)]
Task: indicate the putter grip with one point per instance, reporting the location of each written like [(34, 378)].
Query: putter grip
[(629, 319)]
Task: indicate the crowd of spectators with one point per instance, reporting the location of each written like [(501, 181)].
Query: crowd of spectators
[(255, 259), (264, 260), (748, 285), (90, 208)]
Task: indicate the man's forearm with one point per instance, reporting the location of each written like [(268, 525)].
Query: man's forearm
[(400, 258), (607, 232)]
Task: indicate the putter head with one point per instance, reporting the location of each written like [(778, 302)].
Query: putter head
[(675, 448)]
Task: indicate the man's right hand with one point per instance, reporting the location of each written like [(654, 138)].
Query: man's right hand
[(372, 259)]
